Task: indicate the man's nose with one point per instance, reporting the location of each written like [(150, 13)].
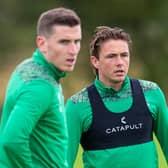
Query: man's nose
[(74, 49), (119, 60)]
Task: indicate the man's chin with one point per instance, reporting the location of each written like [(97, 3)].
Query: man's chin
[(69, 69), (120, 79)]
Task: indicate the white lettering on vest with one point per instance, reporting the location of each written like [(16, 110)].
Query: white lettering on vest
[(124, 128)]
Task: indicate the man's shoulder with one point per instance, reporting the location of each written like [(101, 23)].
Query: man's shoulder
[(29, 70), (80, 97), (148, 85)]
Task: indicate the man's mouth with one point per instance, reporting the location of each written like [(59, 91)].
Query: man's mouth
[(70, 60), (119, 72)]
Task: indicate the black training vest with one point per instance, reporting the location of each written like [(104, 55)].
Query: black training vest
[(109, 129)]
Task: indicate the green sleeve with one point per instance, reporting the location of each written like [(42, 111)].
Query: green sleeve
[(74, 131), (78, 120), (161, 122), (31, 102)]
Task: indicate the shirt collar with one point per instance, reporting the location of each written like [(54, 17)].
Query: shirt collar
[(39, 58), (104, 88)]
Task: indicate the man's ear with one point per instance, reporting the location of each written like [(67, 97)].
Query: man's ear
[(41, 43), (94, 61)]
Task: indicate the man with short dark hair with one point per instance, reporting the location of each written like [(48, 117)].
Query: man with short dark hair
[(114, 117), (33, 132)]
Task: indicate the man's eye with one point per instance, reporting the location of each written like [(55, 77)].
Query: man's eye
[(64, 41), (111, 56), (77, 41), (124, 55)]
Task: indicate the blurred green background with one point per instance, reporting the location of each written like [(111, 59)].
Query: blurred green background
[(145, 20)]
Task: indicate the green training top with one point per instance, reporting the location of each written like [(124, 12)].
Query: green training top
[(33, 130), (79, 119)]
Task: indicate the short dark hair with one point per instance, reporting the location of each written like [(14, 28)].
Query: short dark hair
[(104, 33), (56, 16)]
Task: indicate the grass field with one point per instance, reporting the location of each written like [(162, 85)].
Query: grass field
[(162, 161)]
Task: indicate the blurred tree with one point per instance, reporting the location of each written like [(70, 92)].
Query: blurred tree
[(146, 21)]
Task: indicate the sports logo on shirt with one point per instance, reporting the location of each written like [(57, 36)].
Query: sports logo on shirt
[(124, 126), (123, 120)]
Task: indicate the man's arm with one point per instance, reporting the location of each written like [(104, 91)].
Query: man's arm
[(74, 131), (32, 101), (161, 122)]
